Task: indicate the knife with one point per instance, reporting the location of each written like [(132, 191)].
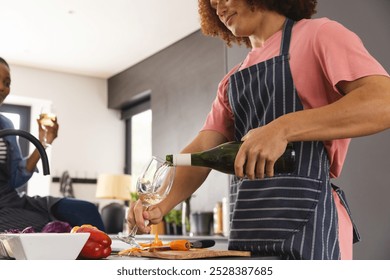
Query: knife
[(205, 243)]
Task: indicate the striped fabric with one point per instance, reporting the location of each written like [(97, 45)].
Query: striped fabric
[(272, 200), (3, 151), (259, 104), (19, 218), (292, 216), (18, 211)]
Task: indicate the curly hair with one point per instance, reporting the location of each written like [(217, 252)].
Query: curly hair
[(212, 26)]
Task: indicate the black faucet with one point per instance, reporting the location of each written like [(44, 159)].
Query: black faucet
[(32, 139)]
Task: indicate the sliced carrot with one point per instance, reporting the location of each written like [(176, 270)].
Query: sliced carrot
[(129, 252), (156, 241), (144, 244), (180, 245)]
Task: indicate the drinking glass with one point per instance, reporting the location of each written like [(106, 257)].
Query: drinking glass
[(153, 185), (46, 119)]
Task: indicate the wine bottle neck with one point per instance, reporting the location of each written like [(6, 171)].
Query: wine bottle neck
[(181, 160)]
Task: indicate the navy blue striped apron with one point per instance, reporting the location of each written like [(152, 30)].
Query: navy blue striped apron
[(292, 216), (21, 211)]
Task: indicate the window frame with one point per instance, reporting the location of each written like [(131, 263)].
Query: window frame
[(25, 120)]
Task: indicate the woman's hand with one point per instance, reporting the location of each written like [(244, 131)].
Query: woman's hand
[(51, 132), (261, 148)]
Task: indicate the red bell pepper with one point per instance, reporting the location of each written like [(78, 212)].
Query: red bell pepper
[(98, 245)]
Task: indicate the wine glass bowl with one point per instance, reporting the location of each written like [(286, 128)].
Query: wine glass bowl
[(156, 181), (153, 185), (46, 119)]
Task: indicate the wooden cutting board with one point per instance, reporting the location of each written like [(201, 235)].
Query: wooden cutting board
[(192, 254)]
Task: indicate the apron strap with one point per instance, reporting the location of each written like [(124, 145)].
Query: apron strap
[(341, 194), (286, 38)]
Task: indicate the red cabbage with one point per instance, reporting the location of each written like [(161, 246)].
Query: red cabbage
[(57, 227), (13, 231)]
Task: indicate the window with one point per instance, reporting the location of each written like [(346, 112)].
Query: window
[(15, 118), (141, 142), (138, 140), (20, 117)]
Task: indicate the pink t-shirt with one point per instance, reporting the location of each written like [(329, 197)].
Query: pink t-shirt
[(322, 53)]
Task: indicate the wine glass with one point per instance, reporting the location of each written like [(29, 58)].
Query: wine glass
[(46, 119), (153, 186)]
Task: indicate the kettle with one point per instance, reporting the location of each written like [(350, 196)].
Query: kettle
[(32, 139)]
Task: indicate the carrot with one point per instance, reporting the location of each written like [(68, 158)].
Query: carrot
[(180, 245), (129, 252), (157, 241)]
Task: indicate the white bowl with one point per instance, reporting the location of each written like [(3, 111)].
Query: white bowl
[(44, 246)]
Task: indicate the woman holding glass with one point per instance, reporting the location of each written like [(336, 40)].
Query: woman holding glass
[(18, 211)]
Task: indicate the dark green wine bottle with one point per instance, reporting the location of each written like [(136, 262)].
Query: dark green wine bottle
[(222, 157)]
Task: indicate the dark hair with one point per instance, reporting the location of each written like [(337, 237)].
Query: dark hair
[(2, 60), (212, 26)]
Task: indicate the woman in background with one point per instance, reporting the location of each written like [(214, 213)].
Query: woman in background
[(18, 211)]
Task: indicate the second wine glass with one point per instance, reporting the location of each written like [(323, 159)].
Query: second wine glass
[(46, 119), (153, 186)]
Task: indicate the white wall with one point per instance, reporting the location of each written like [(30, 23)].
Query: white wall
[(91, 137)]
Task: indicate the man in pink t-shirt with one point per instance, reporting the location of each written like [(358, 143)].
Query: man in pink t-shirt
[(324, 62), (342, 90)]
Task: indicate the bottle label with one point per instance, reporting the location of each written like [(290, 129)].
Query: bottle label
[(182, 159)]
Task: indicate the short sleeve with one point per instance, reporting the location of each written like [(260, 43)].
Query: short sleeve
[(342, 55), (220, 117)]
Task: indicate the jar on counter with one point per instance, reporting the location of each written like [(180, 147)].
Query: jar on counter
[(185, 218), (225, 216), (218, 219)]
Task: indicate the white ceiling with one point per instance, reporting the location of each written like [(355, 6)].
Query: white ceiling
[(98, 38)]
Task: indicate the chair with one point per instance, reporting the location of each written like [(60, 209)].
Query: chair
[(113, 216)]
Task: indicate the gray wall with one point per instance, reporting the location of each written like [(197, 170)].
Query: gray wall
[(365, 174), (183, 80)]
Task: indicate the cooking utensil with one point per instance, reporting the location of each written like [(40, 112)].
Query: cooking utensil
[(205, 243)]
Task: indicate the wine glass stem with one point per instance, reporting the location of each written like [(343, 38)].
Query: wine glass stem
[(133, 231), (44, 140), (130, 238)]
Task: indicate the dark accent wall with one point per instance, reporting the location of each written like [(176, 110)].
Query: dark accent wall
[(182, 80)]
